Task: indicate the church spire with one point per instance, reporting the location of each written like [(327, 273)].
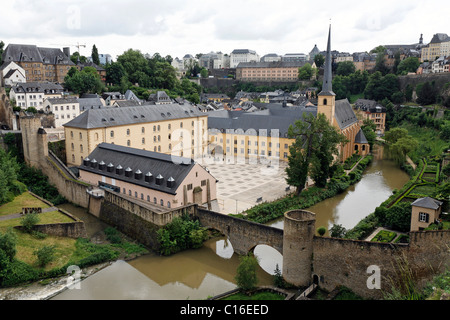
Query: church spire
[(327, 76)]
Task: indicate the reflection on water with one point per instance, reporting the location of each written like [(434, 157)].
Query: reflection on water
[(210, 270), (192, 274), (361, 199)]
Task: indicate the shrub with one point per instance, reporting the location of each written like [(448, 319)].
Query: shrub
[(321, 231), (29, 221), (246, 278), (45, 255)]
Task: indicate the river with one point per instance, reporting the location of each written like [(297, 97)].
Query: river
[(210, 270)]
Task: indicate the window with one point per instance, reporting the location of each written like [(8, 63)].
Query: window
[(143, 140), (81, 136), (128, 132), (155, 201), (148, 198), (168, 204), (143, 130), (424, 217), (203, 183), (124, 191), (142, 196), (81, 147), (112, 134), (162, 203), (189, 186), (325, 101), (135, 194), (73, 147), (129, 193)]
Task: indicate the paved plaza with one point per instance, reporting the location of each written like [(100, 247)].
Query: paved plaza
[(242, 186)]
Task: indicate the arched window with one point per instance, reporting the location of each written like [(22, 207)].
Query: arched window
[(143, 130), (73, 147), (162, 203), (112, 134), (128, 132), (155, 200), (128, 143), (143, 140), (168, 204), (325, 101), (81, 148)]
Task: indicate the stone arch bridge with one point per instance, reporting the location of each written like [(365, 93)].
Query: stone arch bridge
[(243, 235)]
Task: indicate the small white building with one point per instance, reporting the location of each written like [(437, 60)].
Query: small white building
[(243, 55), (12, 74), (33, 94), (64, 109)]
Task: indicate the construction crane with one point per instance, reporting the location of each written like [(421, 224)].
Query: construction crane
[(78, 46)]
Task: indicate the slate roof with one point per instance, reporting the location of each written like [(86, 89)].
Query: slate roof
[(138, 161), (369, 105), (110, 117), (427, 202), (344, 114), (90, 103), (361, 138), (32, 53), (273, 117), (39, 87), (243, 51), (62, 100)]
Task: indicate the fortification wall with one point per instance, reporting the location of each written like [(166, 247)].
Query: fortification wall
[(136, 220), (440, 79), (346, 262)]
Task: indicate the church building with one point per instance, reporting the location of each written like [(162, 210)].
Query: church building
[(340, 113)]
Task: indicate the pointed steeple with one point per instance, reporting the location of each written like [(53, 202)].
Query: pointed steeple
[(327, 76)]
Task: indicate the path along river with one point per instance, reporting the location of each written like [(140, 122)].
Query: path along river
[(198, 274)]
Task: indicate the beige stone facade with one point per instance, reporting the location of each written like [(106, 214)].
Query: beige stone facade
[(185, 137), (268, 71), (424, 212)]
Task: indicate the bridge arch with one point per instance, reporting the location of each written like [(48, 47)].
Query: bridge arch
[(243, 235)]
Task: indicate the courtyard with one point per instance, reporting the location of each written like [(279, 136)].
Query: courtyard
[(244, 185)]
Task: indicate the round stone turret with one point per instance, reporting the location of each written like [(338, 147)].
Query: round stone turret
[(299, 230)]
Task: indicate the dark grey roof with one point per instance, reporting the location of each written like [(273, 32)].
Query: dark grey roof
[(39, 87), (344, 114), (62, 100), (90, 103), (369, 105), (242, 51), (361, 138), (272, 118), (427, 202), (139, 161), (110, 117), (440, 37), (31, 53), (327, 75)]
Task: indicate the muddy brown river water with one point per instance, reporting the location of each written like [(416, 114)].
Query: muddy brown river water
[(210, 270)]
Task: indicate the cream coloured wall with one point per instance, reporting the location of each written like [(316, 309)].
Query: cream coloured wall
[(416, 224), (161, 136)]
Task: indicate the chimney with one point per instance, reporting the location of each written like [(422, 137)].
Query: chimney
[(66, 51)]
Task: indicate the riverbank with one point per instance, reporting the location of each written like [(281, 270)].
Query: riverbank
[(48, 288)]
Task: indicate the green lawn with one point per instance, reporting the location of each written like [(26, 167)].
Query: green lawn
[(264, 295), (25, 200)]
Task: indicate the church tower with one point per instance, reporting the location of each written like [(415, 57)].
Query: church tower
[(327, 98)]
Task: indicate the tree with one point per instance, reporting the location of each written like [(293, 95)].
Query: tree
[(45, 255), (246, 278), (114, 73), (345, 68), (95, 56), (311, 154), (2, 45), (409, 64), (76, 55), (319, 60), (426, 93), (306, 72), (337, 231), (85, 81), (368, 129), (204, 73)]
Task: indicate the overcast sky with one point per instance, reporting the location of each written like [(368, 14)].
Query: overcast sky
[(178, 27)]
